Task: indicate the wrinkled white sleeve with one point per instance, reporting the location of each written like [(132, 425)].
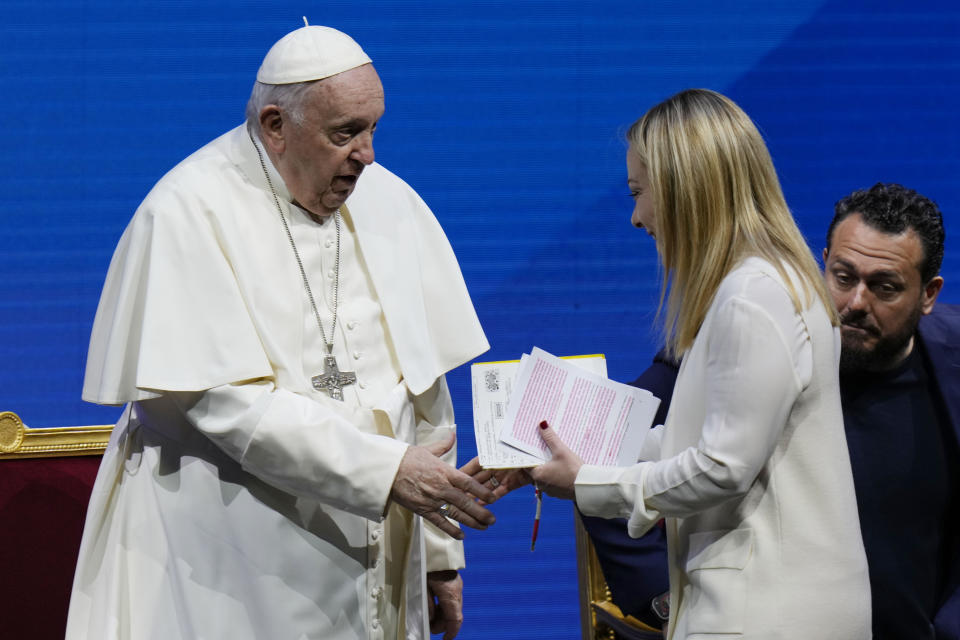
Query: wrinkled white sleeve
[(752, 383), (435, 422), (297, 445), (650, 449)]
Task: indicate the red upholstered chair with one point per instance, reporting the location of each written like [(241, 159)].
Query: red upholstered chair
[(45, 480)]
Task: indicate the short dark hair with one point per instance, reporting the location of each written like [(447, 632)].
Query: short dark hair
[(892, 208)]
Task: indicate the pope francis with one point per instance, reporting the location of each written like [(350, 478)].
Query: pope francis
[(278, 318)]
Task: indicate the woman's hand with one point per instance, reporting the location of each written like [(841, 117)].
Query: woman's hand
[(500, 481), (557, 476)]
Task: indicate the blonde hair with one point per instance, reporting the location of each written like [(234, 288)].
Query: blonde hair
[(717, 200)]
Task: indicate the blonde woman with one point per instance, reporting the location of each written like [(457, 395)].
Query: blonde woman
[(751, 469)]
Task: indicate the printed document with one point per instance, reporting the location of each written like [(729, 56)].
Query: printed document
[(604, 421)]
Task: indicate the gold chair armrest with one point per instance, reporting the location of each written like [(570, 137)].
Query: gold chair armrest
[(20, 441)]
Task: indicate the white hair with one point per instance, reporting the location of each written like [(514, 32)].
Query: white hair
[(289, 97)]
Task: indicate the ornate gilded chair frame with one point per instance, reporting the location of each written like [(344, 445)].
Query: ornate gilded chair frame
[(598, 615), (19, 441)]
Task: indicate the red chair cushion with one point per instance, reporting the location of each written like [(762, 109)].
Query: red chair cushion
[(43, 503)]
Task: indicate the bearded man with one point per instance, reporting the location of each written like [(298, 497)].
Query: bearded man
[(254, 488), (899, 384)]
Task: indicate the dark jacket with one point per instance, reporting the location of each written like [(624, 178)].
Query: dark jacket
[(940, 336)]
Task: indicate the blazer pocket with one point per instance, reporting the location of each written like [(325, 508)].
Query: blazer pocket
[(718, 583)]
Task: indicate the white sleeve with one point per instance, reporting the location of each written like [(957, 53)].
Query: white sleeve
[(650, 449), (297, 444), (752, 383), (435, 422)]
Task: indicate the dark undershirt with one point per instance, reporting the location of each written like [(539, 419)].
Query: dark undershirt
[(900, 454)]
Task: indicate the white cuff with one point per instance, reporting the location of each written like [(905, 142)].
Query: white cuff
[(616, 492)]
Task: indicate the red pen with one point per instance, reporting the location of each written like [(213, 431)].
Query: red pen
[(536, 518)]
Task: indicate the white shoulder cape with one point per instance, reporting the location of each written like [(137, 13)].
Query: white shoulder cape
[(203, 289)]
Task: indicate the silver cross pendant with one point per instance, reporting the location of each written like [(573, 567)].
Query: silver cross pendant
[(332, 380)]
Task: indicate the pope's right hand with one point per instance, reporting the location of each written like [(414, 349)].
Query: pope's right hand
[(424, 483)]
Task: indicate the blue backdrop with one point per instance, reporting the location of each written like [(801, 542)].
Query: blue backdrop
[(507, 117)]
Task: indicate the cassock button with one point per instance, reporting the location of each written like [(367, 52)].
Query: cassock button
[(328, 243), (351, 325), (362, 385), (331, 274), (357, 355)]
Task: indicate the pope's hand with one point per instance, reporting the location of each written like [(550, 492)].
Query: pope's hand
[(557, 476), (500, 481), (445, 602), (427, 485)]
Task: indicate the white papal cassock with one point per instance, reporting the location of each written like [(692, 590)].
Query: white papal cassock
[(235, 501)]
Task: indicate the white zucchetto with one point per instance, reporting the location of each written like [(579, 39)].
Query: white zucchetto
[(310, 53)]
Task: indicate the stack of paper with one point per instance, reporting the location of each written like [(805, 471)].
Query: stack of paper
[(603, 421)]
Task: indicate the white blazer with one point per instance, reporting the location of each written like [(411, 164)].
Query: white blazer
[(752, 473)]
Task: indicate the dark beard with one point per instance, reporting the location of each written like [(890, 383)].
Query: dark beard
[(885, 355)]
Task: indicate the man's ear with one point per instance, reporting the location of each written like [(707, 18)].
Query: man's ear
[(930, 292), (825, 254), (271, 128)]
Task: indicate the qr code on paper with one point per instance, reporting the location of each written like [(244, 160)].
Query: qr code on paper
[(492, 379)]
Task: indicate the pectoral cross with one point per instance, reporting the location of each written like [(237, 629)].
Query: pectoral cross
[(332, 380)]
